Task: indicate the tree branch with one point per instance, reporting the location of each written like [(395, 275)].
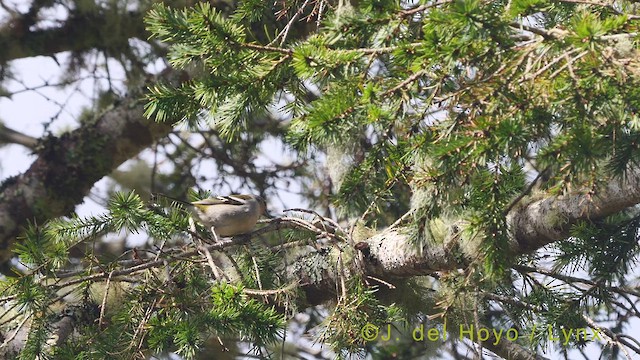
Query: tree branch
[(69, 165), (532, 226), (79, 33)]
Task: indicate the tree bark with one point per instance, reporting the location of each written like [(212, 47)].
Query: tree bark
[(532, 225), (66, 167), (81, 33)]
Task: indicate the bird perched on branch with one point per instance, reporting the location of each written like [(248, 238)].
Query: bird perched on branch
[(230, 215)]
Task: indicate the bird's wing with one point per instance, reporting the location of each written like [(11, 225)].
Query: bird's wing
[(229, 200)]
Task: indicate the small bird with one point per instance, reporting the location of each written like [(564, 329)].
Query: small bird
[(230, 215)]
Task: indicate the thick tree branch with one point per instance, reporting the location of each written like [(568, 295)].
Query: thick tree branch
[(80, 33), (68, 166), (545, 221), (510, 350), (10, 136), (532, 225)]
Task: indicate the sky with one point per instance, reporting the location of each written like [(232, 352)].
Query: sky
[(38, 105)]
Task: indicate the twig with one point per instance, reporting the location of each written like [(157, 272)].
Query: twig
[(212, 265), (104, 299), (538, 31), (568, 63), (612, 337), (402, 218), (608, 6), (423, 7), (387, 284), (255, 268), (526, 191), (285, 30), (572, 279), (343, 284), (270, 292), (329, 220), (267, 48), (547, 66), (15, 333)]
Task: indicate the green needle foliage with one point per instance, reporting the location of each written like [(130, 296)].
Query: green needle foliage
[(465, 84), (150, 310), (461, 101), (454, 109)]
